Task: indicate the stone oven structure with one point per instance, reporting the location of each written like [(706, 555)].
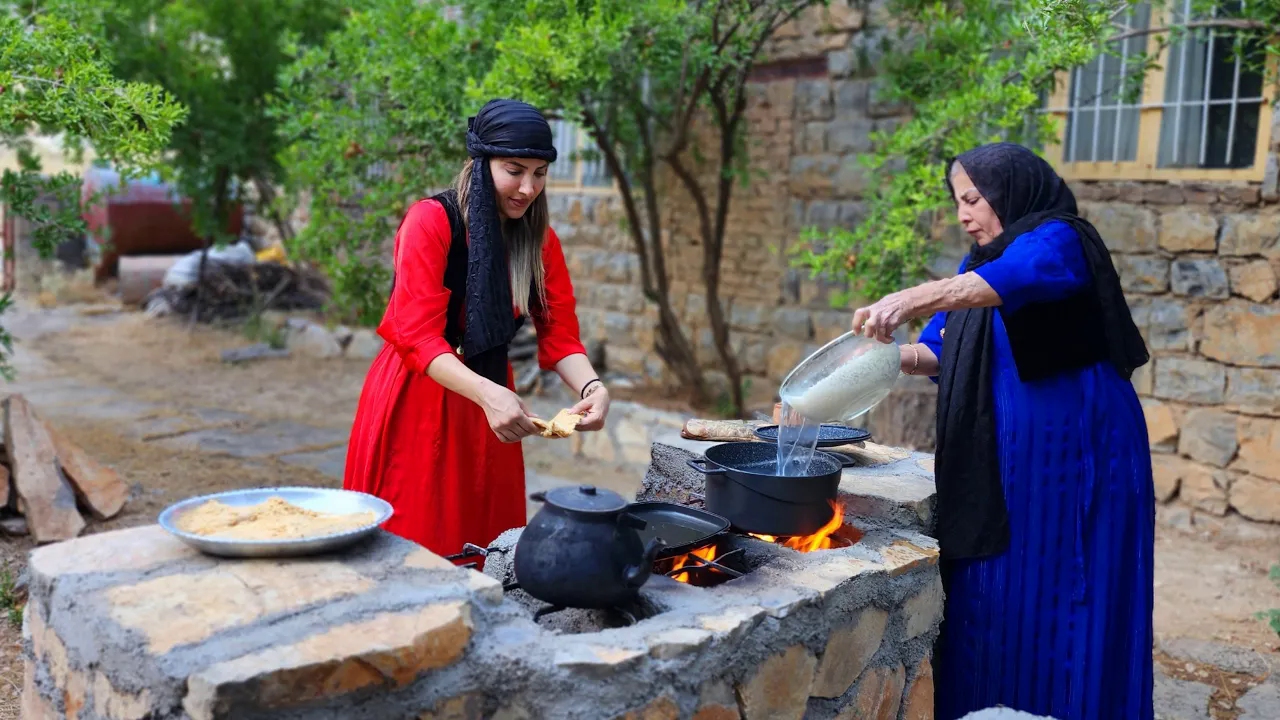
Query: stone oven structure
[(133, 624)]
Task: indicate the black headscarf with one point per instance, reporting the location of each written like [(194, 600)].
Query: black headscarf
[(502, 128), (1046, 339)]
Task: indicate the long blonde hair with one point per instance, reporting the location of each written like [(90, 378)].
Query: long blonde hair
[(523, 238)]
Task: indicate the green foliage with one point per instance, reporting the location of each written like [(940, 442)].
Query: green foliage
[(11, 601), (971, 75), (222, 59), (1272, 616), (373, 121), (56, 80)]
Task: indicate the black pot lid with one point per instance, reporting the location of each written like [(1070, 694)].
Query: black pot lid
[(586, 498)]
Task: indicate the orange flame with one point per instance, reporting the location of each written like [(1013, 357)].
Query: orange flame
[(820, 540), (706, 553)]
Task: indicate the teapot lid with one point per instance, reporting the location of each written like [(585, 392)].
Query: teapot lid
[(586, 498)]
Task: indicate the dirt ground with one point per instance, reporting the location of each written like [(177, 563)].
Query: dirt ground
[(1210, 582)]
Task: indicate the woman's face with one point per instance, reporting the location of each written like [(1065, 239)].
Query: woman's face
[(973, 211), (517, 182)]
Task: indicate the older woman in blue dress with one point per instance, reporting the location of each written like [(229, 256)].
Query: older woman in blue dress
[(1045, 502)]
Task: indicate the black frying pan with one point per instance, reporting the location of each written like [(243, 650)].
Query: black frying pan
[(682, 528)]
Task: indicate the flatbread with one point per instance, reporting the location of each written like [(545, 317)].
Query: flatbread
[(561, 426)]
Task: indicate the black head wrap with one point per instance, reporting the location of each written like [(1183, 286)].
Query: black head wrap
[(1046, 339), (502, 128)]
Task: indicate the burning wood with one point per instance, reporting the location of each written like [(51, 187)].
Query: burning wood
[(707, 553)]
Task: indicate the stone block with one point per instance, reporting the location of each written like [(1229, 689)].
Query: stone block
[(814, 100), (813, 174), (311, 340), (1166, 474), (716, 701), (365, 344), (596, 659), (1259, 447), (782, 358), (903, 556), (919, 695), (852, 178), (1250, 234), (1254, 280), (1186, 380), (879, 695), (1256, 498), (779, 688), (749, 317), (851, 135), (1199, 279), (1167, 322), (140, 548), (849, 649), (1144, 379), (841, 63), (1143, 273), (1242, 334), (792, 323), (1124, 228), (1247, 195), (1205, 488), (389, 651), (923, 611), (468, 706), (675, 642), (1253, 390), (1188, 230), (852, 96), (34, 706), (843, 15), (1162, 426), (175, 610), (1209, 436), (662, 708)]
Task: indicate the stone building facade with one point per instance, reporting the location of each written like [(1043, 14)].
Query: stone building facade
[(1198, 255)]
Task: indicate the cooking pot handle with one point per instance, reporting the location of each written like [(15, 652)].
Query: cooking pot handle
[(703, 468), (845, 460), (539, 496), (636, 575)]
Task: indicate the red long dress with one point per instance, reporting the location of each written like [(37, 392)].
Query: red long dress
[(426, 450)]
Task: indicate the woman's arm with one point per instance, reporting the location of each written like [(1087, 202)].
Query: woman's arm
[(918, 359), (961, 292), (508, 417), (581, 377)]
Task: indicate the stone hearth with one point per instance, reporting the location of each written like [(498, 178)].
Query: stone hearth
[(133, 624)]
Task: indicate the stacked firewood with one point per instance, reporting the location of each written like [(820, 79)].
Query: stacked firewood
[(229, 291), (47, 481)]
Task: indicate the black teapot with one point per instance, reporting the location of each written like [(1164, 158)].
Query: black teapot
[(582, 549)]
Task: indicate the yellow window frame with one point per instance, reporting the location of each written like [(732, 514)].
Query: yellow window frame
[(581, 141), (1150, 113)]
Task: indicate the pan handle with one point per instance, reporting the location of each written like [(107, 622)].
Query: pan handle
[(703, 468), (846, 461)]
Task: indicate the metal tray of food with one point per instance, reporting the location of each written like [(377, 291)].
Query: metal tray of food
[(325, 500)]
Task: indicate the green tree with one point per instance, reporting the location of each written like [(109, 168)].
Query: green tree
[(56, 80), (977, 72), (373, 121), (222, 59)]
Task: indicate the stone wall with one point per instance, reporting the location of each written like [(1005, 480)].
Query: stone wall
[(1199, 266)]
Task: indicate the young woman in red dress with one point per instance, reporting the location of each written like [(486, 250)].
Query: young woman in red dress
[(437, 432)]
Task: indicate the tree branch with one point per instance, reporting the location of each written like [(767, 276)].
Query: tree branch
[(1234, 24)]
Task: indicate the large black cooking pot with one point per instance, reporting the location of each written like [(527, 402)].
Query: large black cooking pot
[(744, 486), (581, 549)]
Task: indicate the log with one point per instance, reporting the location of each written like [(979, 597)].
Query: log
[(98, 488), (719, 430), (48, 501), (5, 486)]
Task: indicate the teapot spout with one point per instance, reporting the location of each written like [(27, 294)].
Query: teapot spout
[(635, 576)]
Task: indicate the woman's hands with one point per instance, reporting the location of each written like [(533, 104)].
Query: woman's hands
[(508, 417), (880, 319), (594, 408)]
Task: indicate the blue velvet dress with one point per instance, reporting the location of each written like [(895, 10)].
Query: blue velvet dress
[(1060, 623)]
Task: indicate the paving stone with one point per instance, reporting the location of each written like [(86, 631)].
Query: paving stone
[(273, 439), (1180, 699), (1231, 658), (331, 462), (1261, 703)]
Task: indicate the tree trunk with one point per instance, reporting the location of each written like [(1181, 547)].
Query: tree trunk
[(222, 181)]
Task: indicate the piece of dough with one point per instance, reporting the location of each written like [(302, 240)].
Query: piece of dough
[(561, 426)]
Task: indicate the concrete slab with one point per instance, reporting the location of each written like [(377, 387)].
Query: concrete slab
[(331, 462)]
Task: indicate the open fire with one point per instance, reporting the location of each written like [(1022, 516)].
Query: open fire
[(823, 539), (706, 557)]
